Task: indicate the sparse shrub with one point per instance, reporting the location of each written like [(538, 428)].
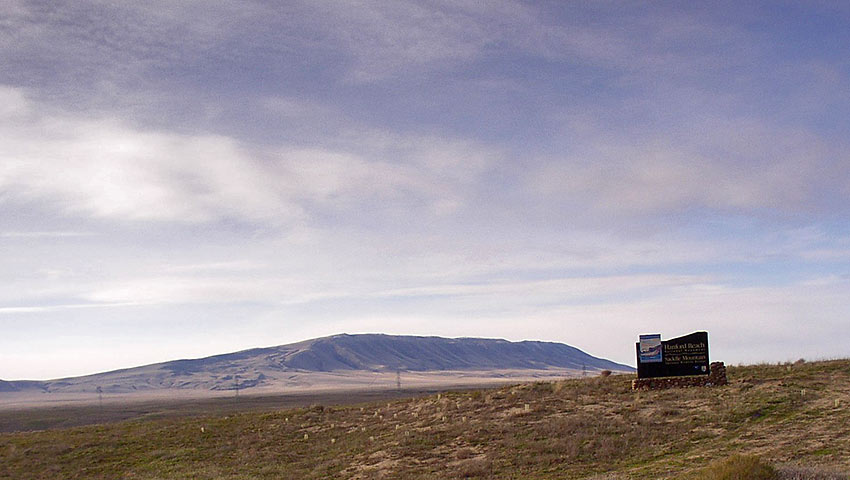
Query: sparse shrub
[(800, 361), (474, 468), (605, 373), (738, 467)]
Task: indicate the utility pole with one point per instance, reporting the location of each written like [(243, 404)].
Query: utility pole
[(583, 370), (237, 386), (398, 379), (100, 397)]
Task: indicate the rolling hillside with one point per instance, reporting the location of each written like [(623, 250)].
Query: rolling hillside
[(794, 418)]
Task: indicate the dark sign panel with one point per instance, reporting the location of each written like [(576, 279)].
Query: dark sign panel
[(680, 356)]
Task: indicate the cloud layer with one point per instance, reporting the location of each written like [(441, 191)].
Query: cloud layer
[(246, 173)]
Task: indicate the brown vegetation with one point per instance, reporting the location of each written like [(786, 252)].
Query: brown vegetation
[(585, 428), (738, 467)]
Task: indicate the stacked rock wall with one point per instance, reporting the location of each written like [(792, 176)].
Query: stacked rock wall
[(717, 376)]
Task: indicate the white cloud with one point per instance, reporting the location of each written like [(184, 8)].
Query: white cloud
[(59, 308), (107, 169), (164, 290)]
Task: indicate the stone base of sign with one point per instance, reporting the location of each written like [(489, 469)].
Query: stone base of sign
[(716, 377)]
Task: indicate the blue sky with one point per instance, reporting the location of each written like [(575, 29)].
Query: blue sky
[(180, 179)]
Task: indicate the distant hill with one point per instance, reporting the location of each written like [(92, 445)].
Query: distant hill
[(18, 386), (339, 358)]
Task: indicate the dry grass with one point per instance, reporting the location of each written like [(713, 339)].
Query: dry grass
[(738, 467), (585, 428), (802, 473)]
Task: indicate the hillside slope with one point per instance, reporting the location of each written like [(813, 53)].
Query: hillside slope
[(340, 355), (794, 417), (409, 353)]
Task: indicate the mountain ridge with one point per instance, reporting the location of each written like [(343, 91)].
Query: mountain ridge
[(301, 363)]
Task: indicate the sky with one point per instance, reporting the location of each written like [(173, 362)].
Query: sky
[(182, 179)]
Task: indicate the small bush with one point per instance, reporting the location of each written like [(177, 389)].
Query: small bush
[(738, 467), (605, 373)]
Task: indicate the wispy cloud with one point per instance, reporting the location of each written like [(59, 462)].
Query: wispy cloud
[(369, 41), (104, 168), (288, 291), (225, 266), (59, 308), (730, 167), (45, 234), (387, 41)]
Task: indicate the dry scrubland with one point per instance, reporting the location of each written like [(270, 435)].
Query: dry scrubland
[(772, 421)]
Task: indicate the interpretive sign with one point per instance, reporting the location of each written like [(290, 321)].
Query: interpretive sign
[(650, 349), (676, 357)]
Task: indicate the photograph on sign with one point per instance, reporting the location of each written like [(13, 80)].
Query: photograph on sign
[(650, 348)]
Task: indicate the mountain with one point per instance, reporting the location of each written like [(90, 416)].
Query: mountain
[(341, 360), (18, 386)]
